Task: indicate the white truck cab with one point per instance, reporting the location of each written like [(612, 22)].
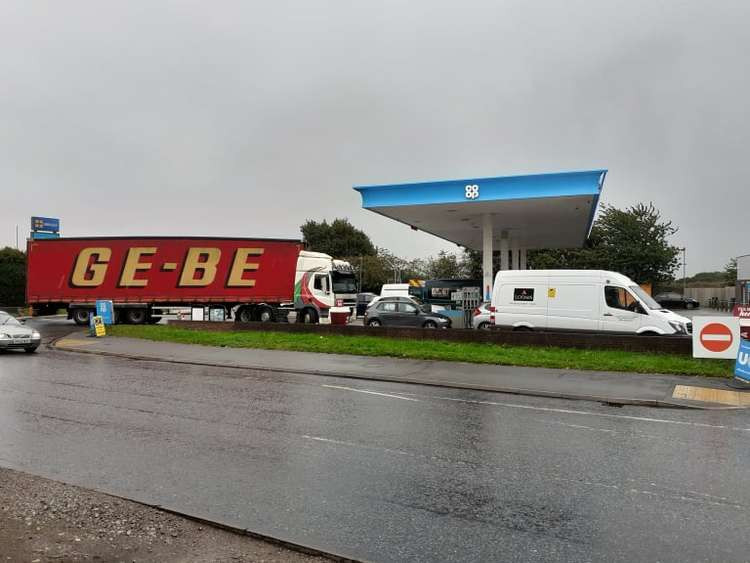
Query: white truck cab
[(586, 300), (320, 283)]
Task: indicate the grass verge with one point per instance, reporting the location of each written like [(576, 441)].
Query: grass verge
[(478, 353)]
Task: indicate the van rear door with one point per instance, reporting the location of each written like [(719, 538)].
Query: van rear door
[(521, 302)]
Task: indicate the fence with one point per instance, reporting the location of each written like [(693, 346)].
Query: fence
[(712, 296), (588, 341)]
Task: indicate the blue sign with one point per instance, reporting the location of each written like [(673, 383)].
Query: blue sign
[(742, 367), (106, 311), (48, 224), (37, 236)]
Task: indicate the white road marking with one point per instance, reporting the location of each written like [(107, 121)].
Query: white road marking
[(355, 445), (585, 413), (664, 492), (580, 426), (371, 392)]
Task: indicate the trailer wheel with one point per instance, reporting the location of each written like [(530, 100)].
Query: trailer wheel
[(265, 315), (81, 316), (154, 320), (309, 316), (136, 316), (244, 315)]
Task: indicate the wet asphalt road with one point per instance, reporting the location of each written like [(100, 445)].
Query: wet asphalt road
[(383, 471)]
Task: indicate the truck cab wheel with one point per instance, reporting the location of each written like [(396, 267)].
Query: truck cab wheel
[(309, 316), (81, 316), (136, 316)]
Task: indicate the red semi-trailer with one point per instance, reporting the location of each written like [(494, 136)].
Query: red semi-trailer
[(144, 276)]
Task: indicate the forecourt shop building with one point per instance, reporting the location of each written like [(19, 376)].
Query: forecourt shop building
[(511, 214)]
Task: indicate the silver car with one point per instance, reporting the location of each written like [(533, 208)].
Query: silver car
[(13, 334), (480, 319)]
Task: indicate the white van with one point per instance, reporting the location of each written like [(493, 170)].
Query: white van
[(587, 300)]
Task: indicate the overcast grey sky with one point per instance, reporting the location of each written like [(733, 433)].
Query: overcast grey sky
[(224, 118)]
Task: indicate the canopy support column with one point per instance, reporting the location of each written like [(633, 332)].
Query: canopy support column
[(487, 277), (504, 251), (522, 259)]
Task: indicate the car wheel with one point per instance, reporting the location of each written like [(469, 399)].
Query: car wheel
[(374, 323), (690, 306), (30, 349), (81, 316), (429, 324), (484, 326)]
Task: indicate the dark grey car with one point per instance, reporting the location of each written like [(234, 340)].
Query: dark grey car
[(676, 301), (397, 312)]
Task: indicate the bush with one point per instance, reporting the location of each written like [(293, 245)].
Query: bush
[(12, 277)]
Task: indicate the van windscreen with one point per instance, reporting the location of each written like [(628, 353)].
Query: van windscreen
[(645, 297)]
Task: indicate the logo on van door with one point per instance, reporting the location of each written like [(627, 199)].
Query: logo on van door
[(523, 294)]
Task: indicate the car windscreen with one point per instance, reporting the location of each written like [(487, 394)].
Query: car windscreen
[(344, 283), (645, 297), (8, 320)]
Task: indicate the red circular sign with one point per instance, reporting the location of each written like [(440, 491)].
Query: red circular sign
[(716, 337)]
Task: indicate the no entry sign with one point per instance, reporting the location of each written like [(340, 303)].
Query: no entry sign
[(716, 337)]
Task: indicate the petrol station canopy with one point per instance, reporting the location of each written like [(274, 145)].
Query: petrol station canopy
[(532, 211)]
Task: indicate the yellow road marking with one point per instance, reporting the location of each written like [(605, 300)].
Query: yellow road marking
[(720, 396), (72, 342)]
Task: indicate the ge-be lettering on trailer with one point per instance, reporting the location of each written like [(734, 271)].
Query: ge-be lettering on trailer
[(255, 278)]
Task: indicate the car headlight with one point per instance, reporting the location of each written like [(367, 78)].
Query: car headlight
[(678, 327), (4, 336), (35, 335)]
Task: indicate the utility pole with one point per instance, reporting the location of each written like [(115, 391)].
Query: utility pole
[(17, 237)]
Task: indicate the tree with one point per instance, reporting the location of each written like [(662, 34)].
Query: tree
[(471, 264), (730, 271), (634, 242), (383, 267), (12, 277), (339, 238), (443, 266)]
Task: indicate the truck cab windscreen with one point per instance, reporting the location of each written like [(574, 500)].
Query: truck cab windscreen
[(344, 283)]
